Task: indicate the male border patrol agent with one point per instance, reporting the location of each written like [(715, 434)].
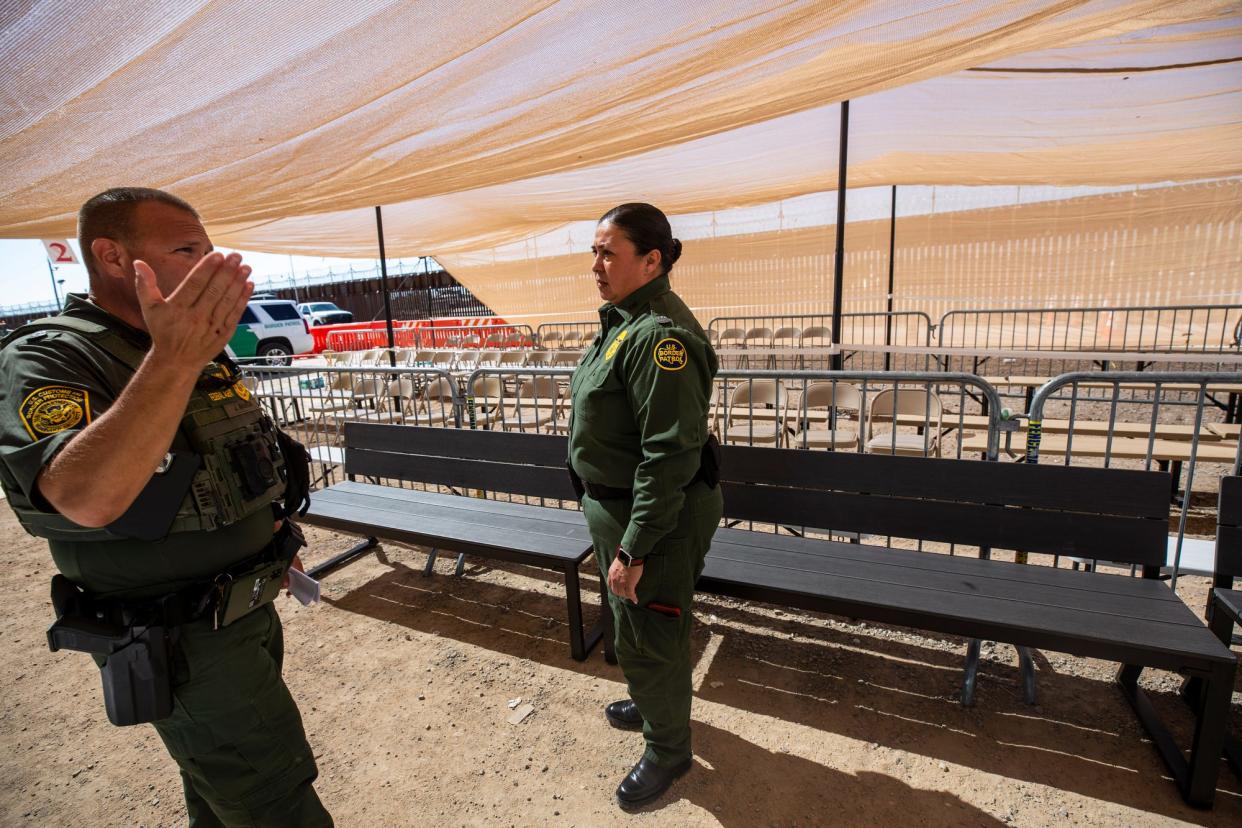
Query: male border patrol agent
[(640, 450), (128, 441)]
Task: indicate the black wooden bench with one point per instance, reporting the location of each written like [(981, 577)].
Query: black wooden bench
[(519, 464), (1224, 608), (1109, 514), (1104, 514)]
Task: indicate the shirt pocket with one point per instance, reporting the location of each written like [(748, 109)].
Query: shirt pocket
[(599, 393)]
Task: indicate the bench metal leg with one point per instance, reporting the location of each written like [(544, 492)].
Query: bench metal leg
[(1026, 666), (429, 567), (1195, 779), (1193, 691), (971, 672), (460, 569), (580, 642), (340, 560)]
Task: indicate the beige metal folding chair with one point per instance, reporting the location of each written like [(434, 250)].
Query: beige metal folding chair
[(488, 401), (819, 418), (788, 338), (753, 416), (436, 404), (536, 407), (892, 403)]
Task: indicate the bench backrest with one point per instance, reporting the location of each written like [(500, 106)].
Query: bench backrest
[(1229, 532), (498, 461), (1112, 514)]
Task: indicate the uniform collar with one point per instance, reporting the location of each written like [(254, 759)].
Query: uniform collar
[(628, 307), (81, 306)]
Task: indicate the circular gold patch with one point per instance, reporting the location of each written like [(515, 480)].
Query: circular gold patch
[(670, 354)]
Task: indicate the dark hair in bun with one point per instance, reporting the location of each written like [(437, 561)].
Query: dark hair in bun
[(648, 229)]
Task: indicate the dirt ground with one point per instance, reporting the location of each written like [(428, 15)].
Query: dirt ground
[(799, 719)]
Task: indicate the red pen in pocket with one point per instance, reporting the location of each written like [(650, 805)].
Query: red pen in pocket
[(665, 609)]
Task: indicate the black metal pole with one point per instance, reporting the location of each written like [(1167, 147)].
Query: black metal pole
[(392, 342), (838, 275), (888, 316)]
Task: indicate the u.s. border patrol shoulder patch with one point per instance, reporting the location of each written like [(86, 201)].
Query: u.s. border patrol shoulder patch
[(670, 354), (54, 408)]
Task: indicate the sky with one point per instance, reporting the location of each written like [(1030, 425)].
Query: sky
[(24, 276)]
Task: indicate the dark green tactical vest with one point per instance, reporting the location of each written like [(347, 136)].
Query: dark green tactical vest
[(241, 472)]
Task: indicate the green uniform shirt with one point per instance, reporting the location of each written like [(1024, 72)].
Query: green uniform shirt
[(640, 400), (52, 385)]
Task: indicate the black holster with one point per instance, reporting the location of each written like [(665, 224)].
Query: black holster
[(709, 462), (575, 480), (137, 668)]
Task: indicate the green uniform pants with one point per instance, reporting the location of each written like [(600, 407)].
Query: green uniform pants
[(652, 648), (235, 730)]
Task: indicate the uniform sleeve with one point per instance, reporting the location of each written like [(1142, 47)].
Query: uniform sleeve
[(668, 381), (51, 391)]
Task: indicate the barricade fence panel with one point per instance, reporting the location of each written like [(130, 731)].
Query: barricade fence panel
[(1112, 419), (1133, 419), (559, 335), (1172, 328)]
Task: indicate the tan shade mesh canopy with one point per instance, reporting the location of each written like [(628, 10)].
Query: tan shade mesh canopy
[(489, 130), (1159, 246)]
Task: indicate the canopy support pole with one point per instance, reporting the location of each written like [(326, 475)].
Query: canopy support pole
[(888, 317), (838, 269), (392, 342)]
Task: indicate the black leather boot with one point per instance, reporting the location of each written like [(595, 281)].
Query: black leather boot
[(624, 715), (647, 781)]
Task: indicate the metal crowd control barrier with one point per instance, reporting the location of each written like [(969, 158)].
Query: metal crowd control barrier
[(559, 335), (794, 340), (518, 399), (860, 411), (1170, 445), (1162, 328), (832, 410)]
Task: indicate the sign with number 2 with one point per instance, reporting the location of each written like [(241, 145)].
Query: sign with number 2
[(59, 252)]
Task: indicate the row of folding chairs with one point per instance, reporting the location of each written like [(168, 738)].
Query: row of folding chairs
[(530, 404), (819, 336), (821, 415), (831, 415)]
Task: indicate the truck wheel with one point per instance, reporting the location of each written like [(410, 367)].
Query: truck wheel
[(276, 352)]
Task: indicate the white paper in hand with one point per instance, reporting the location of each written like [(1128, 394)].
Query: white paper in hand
[(304, 587)]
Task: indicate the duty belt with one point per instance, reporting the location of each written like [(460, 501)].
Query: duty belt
[(599, 491), (197, 600)]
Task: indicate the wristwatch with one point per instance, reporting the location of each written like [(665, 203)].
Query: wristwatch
[(627, 560)]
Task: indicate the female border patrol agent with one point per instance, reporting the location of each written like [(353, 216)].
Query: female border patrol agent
[(638, 441)]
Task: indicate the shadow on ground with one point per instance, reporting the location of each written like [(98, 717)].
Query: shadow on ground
[(856, 682)]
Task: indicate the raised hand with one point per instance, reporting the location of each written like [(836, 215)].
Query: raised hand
[(191, 325)]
